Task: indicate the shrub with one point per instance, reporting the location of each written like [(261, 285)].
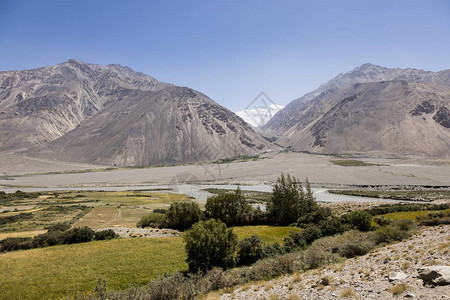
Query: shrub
[(12, 244), (78, 235), (331, 226), (208, 244), (392, 232), (359, 219), (314, 217), (107, 234), (181, 215), (58, 227), (271, 250), (249, 250), (152, 220), (317, 256), (433, 219), (310, 233)]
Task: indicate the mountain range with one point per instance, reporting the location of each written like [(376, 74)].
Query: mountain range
[(112, 115), (370, 109)]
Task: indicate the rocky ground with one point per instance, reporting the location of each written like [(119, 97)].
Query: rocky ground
[(390, 272), (126, 232)]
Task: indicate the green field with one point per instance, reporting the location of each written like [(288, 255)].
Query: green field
[(269, 234), (96, 209), (250, 196), (56, 272), (351, 163), (410, 214), (144, 198), (397, 194)]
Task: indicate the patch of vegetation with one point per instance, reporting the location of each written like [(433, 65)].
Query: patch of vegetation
[(15, 218), (210, 244), (250, 196), (352, 163), (405, 195), (238, 158), (57, 234), (435, 218), (268, 234), (66, 270), (404, 207), (322, 252)]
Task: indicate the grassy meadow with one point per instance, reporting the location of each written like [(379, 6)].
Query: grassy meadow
[(57, 272), (269, 234), (412, 215)]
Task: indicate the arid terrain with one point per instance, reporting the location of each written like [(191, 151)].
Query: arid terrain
[(386, 273), (317, 168)]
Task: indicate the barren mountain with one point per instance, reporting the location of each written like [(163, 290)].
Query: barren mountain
[(112, 115), (40, 105), (174, 125), (296, 111), (390, 112)]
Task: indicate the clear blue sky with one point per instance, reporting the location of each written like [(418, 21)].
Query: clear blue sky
[(229, 50)]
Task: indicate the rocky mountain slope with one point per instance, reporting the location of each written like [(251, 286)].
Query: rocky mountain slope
[(112, 115), (40, 105), (400, 111)]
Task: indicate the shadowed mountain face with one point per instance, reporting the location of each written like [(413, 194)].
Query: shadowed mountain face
[(114, 116), (400, 111)]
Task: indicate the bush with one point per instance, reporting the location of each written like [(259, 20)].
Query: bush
[(272, 250), (249, 250), (433, 219), (359, 219), (152, 220), (391, 233), (78, 235), (331, 226), (107, 234), (209, 244), (310, 234), (315, 217), (181, 215), (273, 267), (58, 227), (12, 244)]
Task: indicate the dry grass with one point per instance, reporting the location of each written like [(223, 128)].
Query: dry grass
[(19, 234), (398, 289), (108, 216), (348, 293)]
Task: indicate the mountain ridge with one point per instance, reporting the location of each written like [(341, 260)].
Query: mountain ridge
[(41, 106), (298, 124)]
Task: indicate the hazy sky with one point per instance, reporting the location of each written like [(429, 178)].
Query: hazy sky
[(229, 50)]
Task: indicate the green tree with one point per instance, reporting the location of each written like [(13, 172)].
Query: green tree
[(210, 244), (230, 208), (359, 219), (250, 250), (181, 215)]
